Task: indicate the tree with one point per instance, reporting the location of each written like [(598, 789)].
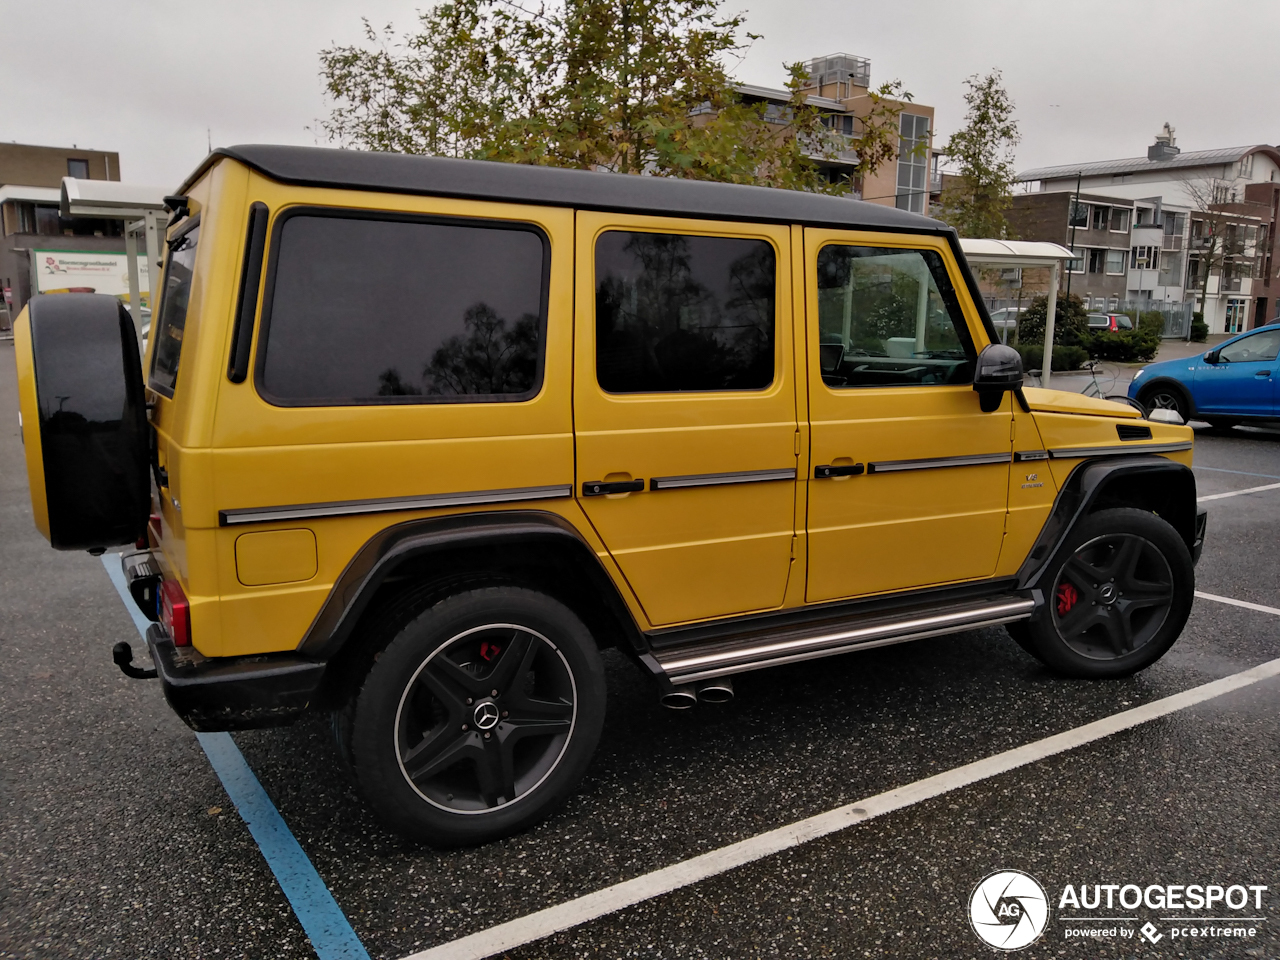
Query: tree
[(975, 202), (1070, 321), (1219, 239), (630, 86)]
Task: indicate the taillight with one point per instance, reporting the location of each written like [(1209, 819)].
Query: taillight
[(175, 612)]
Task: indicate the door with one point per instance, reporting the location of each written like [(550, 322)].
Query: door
[(684, 409), (908, 478), (1242, 381)]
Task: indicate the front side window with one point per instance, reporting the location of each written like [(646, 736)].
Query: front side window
[(364, 309), (174, 298), (1261, 347), (889, 317), (683, 313)]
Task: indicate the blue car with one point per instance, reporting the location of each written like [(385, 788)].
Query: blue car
[(1236, 381)]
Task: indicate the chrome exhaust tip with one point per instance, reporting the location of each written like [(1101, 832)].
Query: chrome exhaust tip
[(716, 690), (680, 698)]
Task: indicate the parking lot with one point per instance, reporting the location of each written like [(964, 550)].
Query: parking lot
[(119, 839)]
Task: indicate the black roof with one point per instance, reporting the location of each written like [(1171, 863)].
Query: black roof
[(556, 186)]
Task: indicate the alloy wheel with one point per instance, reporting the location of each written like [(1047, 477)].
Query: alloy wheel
[(1112, 596), (485, 718)]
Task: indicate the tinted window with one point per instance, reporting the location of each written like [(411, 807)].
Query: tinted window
[(174, 298), (676, 312), (889, 317), (367, 310), (1259, 347)]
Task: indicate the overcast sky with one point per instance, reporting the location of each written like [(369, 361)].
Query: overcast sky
[(1092, 80)]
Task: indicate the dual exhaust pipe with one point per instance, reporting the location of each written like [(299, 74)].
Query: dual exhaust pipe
[(687, 695)]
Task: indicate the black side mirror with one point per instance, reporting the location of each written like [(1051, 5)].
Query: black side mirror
[(999, 371), (1211, 356)]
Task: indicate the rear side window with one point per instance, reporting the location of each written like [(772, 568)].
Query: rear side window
[(366, 309), (174, 298), (676, 312)]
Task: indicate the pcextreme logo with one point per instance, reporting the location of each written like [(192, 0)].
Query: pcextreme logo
[(1009, 910)]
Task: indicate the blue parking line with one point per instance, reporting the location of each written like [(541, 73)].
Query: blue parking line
[(322, 919), (1243, 473)]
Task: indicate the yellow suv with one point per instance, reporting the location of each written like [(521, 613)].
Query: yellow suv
[(415, 438)]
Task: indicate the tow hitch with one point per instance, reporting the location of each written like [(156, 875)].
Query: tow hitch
[(122, 654)]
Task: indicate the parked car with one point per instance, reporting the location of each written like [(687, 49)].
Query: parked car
[(1005, 320), (1235, 382), (419, 437), (1109, 321)]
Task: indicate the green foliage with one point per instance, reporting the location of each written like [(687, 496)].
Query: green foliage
[(1199, 329), (983, 151), (1064, 357), (1151, 323), (1070, 322), (629, 86), (1124, 346)]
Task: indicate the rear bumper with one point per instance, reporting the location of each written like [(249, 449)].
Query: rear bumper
[(233, 693)]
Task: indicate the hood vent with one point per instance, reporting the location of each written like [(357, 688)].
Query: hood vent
[(1131, 431)]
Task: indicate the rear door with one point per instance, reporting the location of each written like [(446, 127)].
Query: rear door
[(908, 483), (684, 409)]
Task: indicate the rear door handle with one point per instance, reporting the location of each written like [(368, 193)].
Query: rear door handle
[(600, 488), (827, 471)]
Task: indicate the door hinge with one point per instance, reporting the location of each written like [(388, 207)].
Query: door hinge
[(796, 451), (793, 548), (1013, 429)]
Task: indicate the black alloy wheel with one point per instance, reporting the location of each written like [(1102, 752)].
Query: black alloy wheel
[(1115, 599), (478, 718), (486, 718), (1112, 596), (1163, 396)]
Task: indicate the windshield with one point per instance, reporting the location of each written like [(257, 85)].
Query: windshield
[(173, 310)]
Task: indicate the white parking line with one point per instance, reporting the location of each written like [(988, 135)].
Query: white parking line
[(564, 916), (1238, 603), (1236, 493)]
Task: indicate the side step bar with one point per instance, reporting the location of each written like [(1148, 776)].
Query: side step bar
[(720, 658)]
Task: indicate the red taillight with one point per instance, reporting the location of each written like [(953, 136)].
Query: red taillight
[(175, 612)]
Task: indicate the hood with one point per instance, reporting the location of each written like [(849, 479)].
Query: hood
[(1060, 401)]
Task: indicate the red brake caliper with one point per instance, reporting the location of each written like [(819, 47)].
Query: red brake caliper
[(1067, 597), (489, 650)]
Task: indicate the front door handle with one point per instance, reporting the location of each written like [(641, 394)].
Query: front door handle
[(600, 488), (1263, 373), (827, 471)]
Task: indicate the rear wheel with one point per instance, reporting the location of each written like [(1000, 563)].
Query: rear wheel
[(479, 718), (1166, 396), (1118, 600)]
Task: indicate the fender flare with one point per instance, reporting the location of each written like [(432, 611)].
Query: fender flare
[(391, 547), (1176, 384), (1164, 486)]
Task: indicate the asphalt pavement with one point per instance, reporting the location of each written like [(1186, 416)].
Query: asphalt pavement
[(118, 840)]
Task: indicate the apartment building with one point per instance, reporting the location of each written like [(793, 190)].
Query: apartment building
[(839, 87), (30, 222), (1204, 224)]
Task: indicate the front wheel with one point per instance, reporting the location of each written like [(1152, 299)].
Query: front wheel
[(479, 717), (1118, 600), (1164, 396)]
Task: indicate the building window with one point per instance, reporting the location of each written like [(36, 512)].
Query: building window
[(1101, 217), (1119, 220), (78, 169), (1078, 214), (47, 223), (1115, 261), (1145, 258), (913, 163), (1246, 167), (1097, 260), (1076, 265)]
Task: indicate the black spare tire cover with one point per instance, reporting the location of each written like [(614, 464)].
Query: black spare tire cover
[(93, 420)]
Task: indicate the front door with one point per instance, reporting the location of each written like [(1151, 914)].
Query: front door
[(1242, 381), (684, 409), (908, 477)]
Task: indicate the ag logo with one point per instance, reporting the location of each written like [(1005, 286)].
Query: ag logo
[(1009, 910)]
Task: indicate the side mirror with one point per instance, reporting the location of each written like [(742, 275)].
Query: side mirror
[(1211, 356), (999, 371)]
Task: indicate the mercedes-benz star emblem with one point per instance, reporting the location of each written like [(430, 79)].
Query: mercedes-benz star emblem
[(486, 715), (1107, 592)]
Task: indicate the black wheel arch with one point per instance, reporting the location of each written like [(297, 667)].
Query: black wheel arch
[(1177, 385), (1156, 484), (435, 557)]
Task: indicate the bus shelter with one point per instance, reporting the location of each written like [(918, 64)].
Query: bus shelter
[(983, 252)]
